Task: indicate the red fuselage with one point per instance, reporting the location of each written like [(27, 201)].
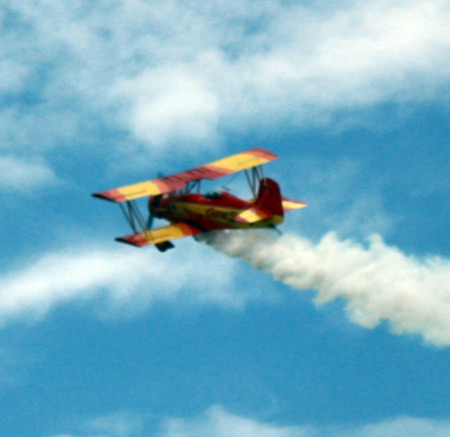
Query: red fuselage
[(208, 212)]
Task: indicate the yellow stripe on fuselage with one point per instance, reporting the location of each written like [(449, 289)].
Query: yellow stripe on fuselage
[(221, 215)]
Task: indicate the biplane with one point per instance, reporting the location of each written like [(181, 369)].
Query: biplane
[(177, 198)]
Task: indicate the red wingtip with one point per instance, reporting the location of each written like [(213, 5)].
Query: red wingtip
[(135, 240), (263, 153), (111, 195)]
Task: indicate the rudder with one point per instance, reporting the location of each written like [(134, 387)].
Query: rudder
[(269, 197)]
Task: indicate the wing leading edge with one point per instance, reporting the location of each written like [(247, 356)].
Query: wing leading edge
[(214, 170), (160, 235)]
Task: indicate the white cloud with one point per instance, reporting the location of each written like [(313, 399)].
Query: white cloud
[(217, 422), (404, 427), (177, 70), (24, 175), (171, 105), (122, 279), (310, 65)]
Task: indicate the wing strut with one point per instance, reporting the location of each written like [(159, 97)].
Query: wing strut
[(133, 216), (254, 177), (192, 186)]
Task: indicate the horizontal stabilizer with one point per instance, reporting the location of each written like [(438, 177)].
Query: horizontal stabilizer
[(214, 170), (290, 205), (255, 214), (267, 204), (160, 235)]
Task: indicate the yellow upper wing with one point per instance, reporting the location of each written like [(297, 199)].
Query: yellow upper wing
[(213, 170)]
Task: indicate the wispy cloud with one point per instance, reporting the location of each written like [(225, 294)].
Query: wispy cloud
[(118, 280), (171, 104), (301, 69), (24, 175), (218, 422), (148, 69), (377, 282), (403, 427)]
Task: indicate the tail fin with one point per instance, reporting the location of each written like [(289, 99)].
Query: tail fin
[(267, 204), (269, 197)]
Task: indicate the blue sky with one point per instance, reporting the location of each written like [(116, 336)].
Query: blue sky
[(340, 327)]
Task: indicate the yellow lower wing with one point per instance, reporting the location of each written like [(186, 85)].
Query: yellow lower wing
[(160, 235)]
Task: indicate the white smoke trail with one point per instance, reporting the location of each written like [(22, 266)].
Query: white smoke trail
[(378, 282)]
